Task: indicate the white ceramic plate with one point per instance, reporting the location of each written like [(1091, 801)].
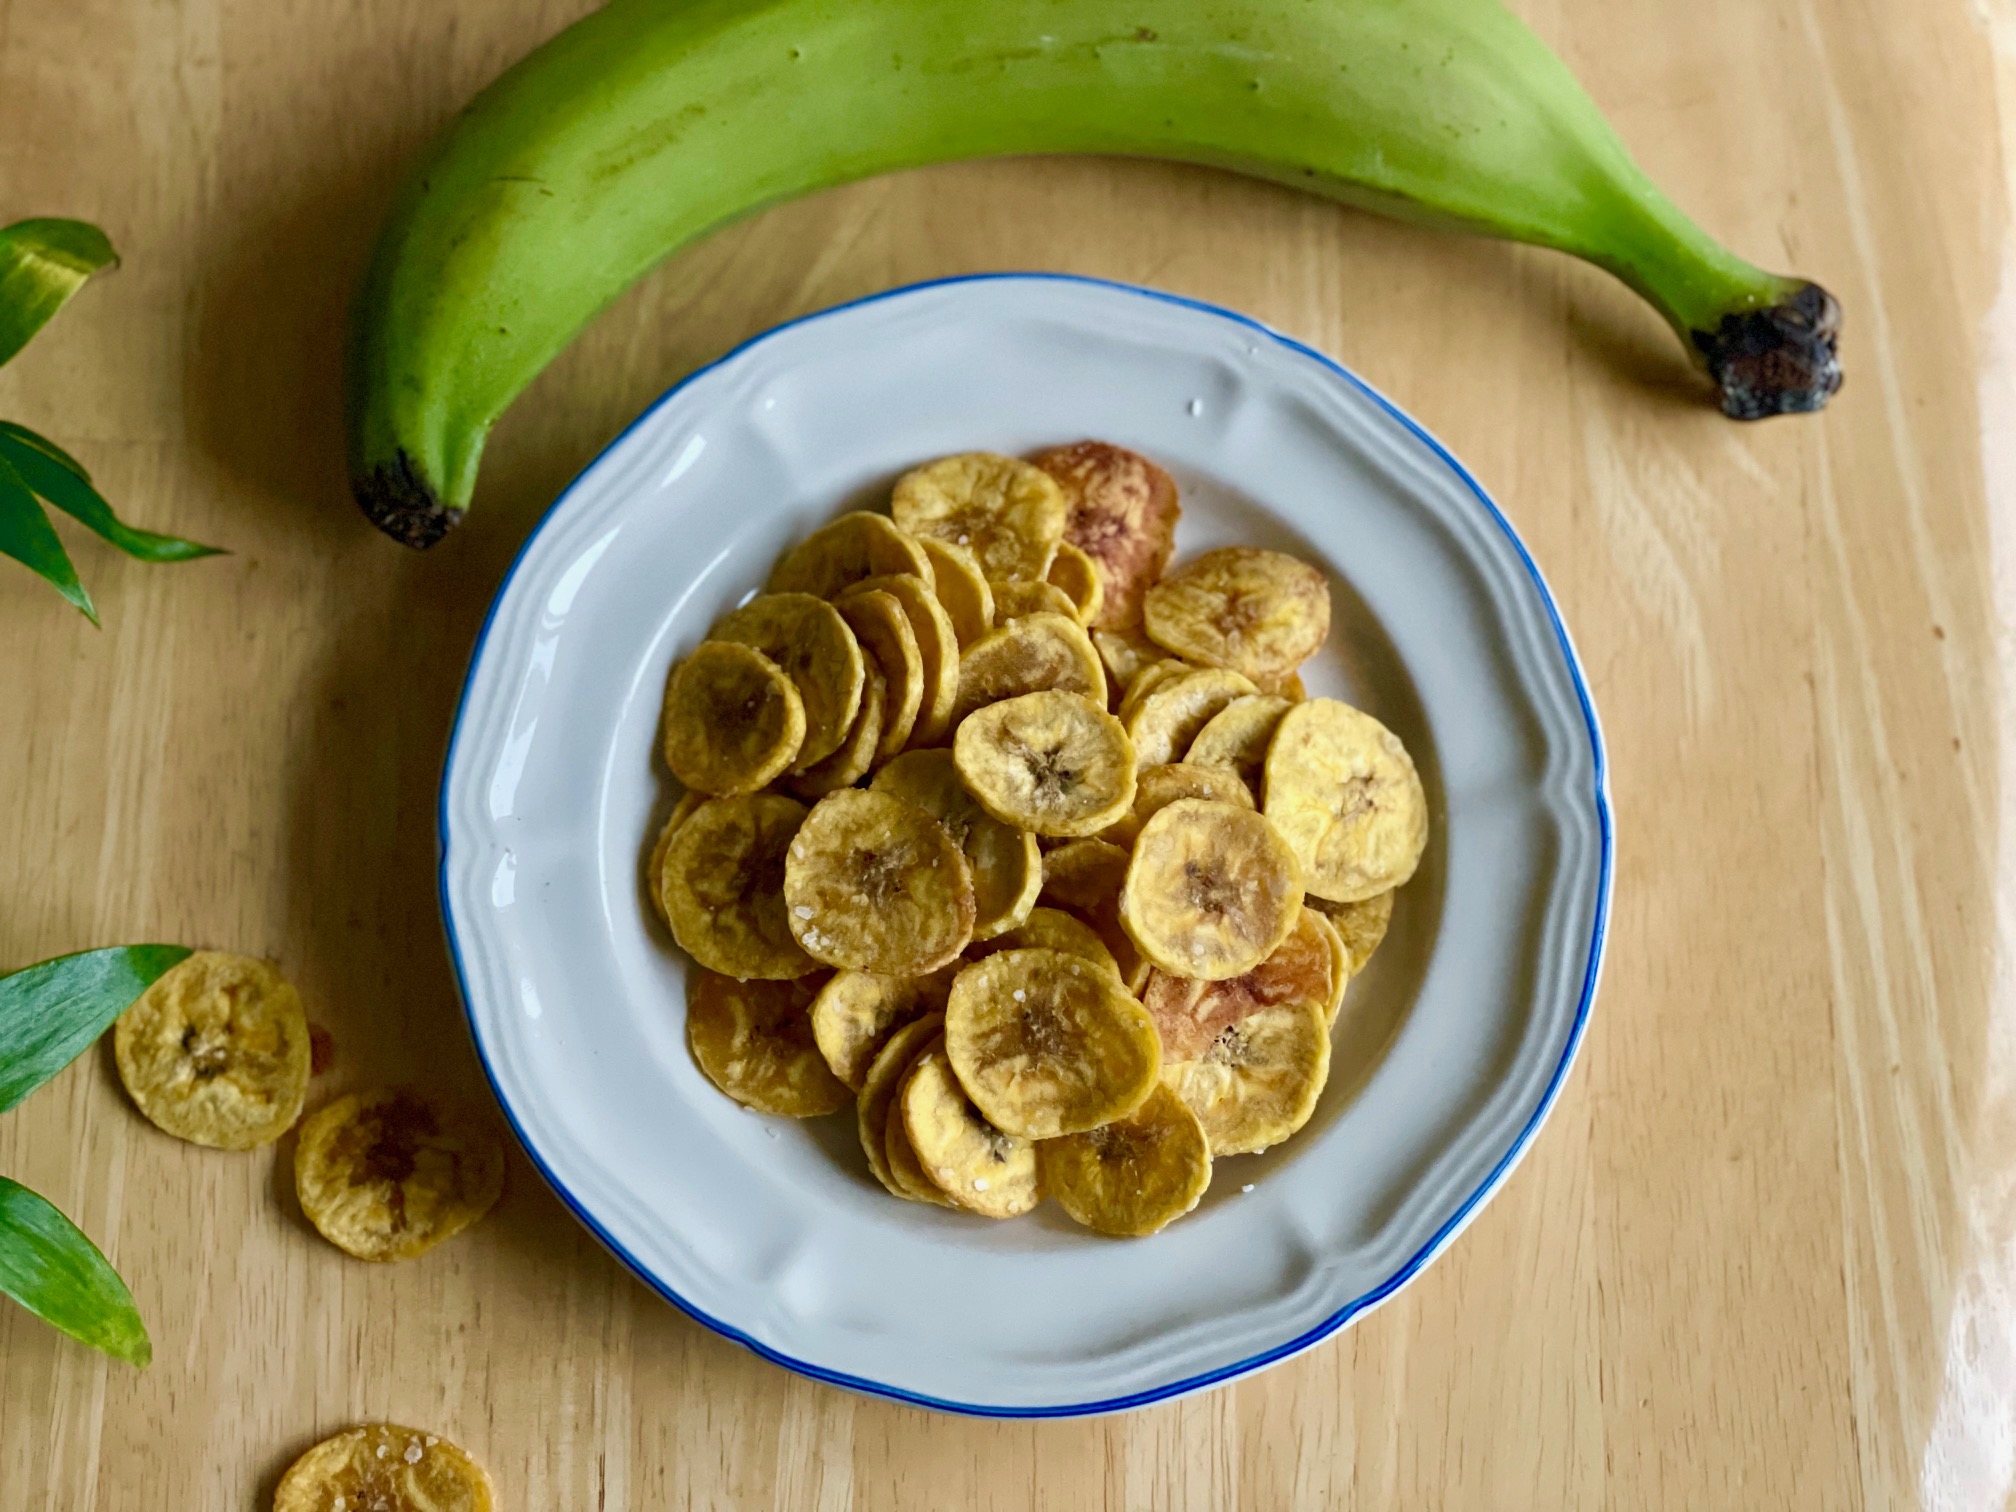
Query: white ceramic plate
[(1454, 1042)]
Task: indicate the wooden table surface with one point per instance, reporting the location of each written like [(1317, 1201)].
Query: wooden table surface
[(1763, 1254)]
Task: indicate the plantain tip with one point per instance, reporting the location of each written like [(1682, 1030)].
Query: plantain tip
[(1782, 359), (400, 502)]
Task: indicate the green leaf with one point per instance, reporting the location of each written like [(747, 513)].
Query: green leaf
[(50, 1268), (43, 443), (49, 1013), (27, 536), (42, 263), (59, 479)]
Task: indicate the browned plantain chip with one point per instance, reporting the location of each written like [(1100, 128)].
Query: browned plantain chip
[(1121, 511), (1189, 1014), (388, 1175), (755, 1042)]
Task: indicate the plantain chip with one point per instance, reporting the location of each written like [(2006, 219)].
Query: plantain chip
[(1013, 601), (1052, 929), (1258, 1081), (1159, 786), (1039, 653), (724, 887), (1146, 681), (1237, 737), (1055, 763), (835, 557), (881, 625), (1121, 511), (1360, 926), (979, 1167), (755, 1042), (937, 651), (961, 589), (733, 720), (1261, 613), (1007, 867), (654, 869), (856, 1012), (1048, 1044), (1340, 958), (1008, 514), (388, 1175), (856, 754), (1211, 890), (808, 639), (875, 884), (1343, 792), (216, 1052), (1076, 575), (1189, 1014), (1135, 1175), (1165, 719), (879, 1086), (1085, 875), (384, 1468), (1126, 653)]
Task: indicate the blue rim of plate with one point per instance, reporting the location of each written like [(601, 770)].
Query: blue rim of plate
[(1415, 1263)]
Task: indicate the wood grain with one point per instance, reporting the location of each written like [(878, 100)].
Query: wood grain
[(1761, 1257)]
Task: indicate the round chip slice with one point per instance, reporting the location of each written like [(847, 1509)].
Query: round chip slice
[(733, 720), (1164, 721), (654, 869), (1340, 959), (1077, 575), (1289, 687), (1055, 763), (1013, 601), (961, 588), (216, 1052), (1084, 874), (875, 884), (1009, 514), (1343, 792), (1159, 786), (1258, 1081), (388, 1175), (1039, 653), (1047, 1044), (856, 754), (384, 1468), (856, 1012), (1238, 735), (979, 1167), (1360, 926), (906, 1171), (723, 887), (1189, 1014), (1052, 929), (1131, 1177), (1126, 653), (755, 1042), (879, 1086), (937, 651), (1120, 510), (1211, 891), (882, 626), (836, 556), (1006, 864), (1146, 681), (807, 638), (1262, 613)]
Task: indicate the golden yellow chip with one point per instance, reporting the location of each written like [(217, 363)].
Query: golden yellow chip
[(882, 626), (961, 589), (1039, 653), (1046, 1043), (1121, 511), (733, 720), (937, 651), (1163, 721), (1189, 1014), (856, 754), (1013, 601), (1340, 958), (1076, 575), (1084, 874), (1261, 613), (1258, 1081), (906, 1171), (1052, 929), (1238, 735), (979, 1167), (875, 884), (856, 1012), (1055, 763), (384, 1468), (654, 869), (1289, 687), (1360, 926), (1008, 514), (879, 1086), (1126, 653), (216, 1052), (1211, 891), (723, 887), (835, 557), (1131, 1177), (808, 639), (1344, 794), (1159, 786), (1007, 867), (755, 1042), (388, 1175), (1146, 681)]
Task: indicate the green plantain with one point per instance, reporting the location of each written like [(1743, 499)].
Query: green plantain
[(650, 122)]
